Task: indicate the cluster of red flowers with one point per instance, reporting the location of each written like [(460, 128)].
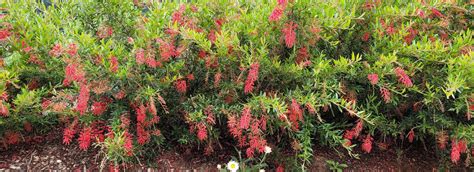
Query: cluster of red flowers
[(290, 34), (143, 122), (98, 108), (251, 77), (367, 144), (248, 131), (167, 50), (181, 86), (4, 34), (411, 135), (403, 77), (353, 133), (457, 147), (278, 11), (3, 108), (113, 64), (295, 114), (83, 99), (410, 36), (85, 138), (373, 78), (385, 94), (73, 73)]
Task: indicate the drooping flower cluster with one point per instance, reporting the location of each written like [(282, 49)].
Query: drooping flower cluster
[(251, 77), (248, 131), (457, 147), (373, 78), (73, 73), (85, 138), (83, 99), (367, 144), (411, 136), (295, 114), (385, 94), (289, 34), (403, 77), (181, 86), (353, 133)]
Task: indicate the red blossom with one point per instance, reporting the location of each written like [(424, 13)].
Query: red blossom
[(385, 94), (280, 168), (436, 13), (212, 36), (277, 13), (167, 50), (455, 153), (420, 13), (181, 86), (295, 114), (367, 144), (128, 143), (140, 56), (73, 73), (3, 109), (290, 34), (373, 78), (143, 134), (201, 131), (56, 51), (141, 114), (411, 136), (83, 99), (403, 77), (302, 55), (113, 64), (251, 78), (72, 51), (4, 34), (358, 128), (85, 138), (99, 107), (366, 36), (245, 118), (217, 79)]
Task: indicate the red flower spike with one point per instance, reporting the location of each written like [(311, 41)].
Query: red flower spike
[(140, 56), (85, 138), (3, 109), (277, 13), (367, 144), (455, 152), (180, 86), (4, 34), (403, 77), (245, 118), (385, 94), (113, 64), (98, 108), (411, 136), (201, 131), (373, 78), (82, 101), (290, 34), (251, 77)]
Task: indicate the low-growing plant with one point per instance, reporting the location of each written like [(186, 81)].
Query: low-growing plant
[(137, 77)]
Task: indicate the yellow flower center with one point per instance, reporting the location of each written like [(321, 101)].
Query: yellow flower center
[(232, 165)]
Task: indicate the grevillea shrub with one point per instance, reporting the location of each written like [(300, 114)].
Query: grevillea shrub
[(359, 75)]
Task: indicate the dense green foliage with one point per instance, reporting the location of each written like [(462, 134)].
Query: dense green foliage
[(134, 78)]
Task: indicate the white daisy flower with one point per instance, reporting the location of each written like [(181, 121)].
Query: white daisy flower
[(219, 166), (232, 166), (268, 149)]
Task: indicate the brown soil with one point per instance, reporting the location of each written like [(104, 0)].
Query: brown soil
[(51, 154)]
